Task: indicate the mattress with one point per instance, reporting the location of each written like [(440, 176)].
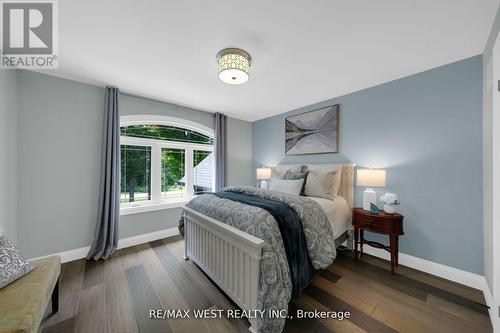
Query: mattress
[(338, 213)]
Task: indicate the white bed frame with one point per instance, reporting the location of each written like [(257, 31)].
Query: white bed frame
[(230, 257)]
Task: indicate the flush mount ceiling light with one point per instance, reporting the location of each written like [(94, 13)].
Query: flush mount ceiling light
[(234, 65)]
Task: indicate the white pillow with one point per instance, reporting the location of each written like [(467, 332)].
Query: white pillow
[(291, 186), (323, 180), (281, 170)]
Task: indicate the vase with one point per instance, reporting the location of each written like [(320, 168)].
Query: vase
[(389, 209)]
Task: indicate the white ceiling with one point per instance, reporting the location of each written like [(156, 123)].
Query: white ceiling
[(303, 52)]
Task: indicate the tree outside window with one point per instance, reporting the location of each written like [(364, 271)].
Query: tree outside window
[(162, 163)]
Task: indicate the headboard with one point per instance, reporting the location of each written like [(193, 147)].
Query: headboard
[(346, 189)]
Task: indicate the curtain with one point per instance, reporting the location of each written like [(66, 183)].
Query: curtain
[(106, 231), (220, 150)]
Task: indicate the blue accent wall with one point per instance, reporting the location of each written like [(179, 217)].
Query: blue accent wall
[(426, 130)]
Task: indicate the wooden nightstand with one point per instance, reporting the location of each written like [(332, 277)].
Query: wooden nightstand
[(387, 224)]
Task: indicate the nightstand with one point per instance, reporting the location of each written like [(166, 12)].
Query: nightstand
[(383, 223)]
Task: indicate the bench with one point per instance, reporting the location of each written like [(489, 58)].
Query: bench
[(24, 301)]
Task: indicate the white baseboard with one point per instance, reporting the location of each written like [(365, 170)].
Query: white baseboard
[(488, 296), (80, 253), (450, 273), (69, 255), (144, 238)]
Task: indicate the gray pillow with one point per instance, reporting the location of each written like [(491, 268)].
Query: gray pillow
[(281, 170), (12, 263), (298, 175)]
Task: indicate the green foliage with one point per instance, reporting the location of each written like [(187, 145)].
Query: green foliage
[(199, 155), (136, 160), (172, 171), (135, 171), (160, 132)]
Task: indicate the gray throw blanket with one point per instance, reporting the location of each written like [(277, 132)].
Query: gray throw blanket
[(275, 288), (292, 235)]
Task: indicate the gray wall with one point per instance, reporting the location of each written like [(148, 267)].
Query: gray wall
[(488, 155), (8, 153), (60, 123), (426, 131)]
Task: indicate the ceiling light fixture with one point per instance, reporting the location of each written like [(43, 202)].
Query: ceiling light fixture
[(234, 65)]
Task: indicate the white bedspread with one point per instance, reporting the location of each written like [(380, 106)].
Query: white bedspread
[(338, 213)]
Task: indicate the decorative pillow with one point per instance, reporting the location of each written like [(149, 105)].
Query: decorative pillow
[(323, 180), (288, 186), (298, 175), (12, 263), (281, 170)]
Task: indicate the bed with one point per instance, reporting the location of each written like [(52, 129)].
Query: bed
[(254, 271)]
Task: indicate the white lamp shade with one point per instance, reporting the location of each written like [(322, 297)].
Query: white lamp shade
[(371, 177), (264, 173), (233, 76)]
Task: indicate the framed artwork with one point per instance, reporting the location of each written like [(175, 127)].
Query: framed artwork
[(314, 132)]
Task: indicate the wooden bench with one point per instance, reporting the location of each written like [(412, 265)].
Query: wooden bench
[(23, 302)]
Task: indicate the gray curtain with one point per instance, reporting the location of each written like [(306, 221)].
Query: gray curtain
[(220, 150), (106, 231)]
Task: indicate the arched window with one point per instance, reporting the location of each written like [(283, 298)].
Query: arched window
[(164, 160)]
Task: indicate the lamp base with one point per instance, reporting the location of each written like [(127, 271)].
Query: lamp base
[(369, 196), (263, 184)]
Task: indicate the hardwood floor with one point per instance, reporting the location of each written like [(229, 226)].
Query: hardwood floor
[(116, 295)]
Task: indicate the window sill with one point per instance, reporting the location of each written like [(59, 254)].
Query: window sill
[(153, 207)]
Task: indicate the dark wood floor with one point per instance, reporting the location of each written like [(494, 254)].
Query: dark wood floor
[(116, 296)]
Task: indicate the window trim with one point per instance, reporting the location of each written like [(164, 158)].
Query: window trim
[(167, 121), (156, 203), (151, 207)]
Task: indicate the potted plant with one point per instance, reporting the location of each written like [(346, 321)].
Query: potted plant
[(390, 201)]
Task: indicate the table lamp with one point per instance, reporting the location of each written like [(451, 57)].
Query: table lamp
[(262, 175), (370, 178)]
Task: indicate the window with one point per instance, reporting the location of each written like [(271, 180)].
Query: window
[(135, 173), (203, 166), (173, 182), (164, 162)]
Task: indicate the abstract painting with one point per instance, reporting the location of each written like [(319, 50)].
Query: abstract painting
[(314, 132)]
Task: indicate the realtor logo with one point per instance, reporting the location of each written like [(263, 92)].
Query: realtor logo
[(28, 36)]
